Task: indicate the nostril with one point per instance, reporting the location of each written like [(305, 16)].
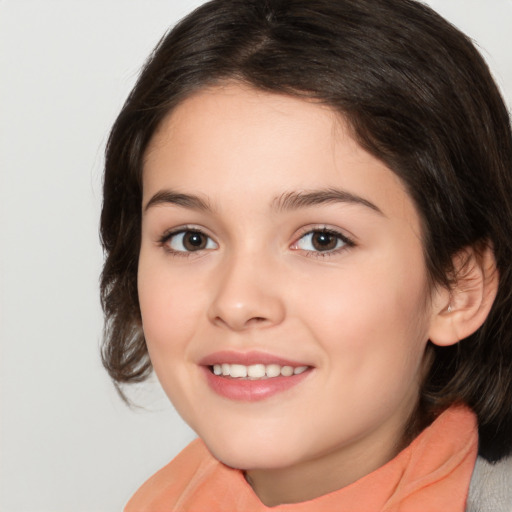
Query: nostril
[(241, 323), (256, 320)]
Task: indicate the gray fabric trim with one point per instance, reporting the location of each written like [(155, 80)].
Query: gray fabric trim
[(490, 489)]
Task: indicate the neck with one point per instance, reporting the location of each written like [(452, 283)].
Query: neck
[(328, 473)]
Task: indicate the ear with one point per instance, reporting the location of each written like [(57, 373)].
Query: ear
[(459, 311)]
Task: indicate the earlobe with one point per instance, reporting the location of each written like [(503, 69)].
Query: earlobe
[(460, 311)]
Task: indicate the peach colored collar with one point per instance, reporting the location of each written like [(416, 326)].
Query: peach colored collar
[(431, 474)]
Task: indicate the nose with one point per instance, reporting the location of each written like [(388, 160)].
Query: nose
[(248, 295)]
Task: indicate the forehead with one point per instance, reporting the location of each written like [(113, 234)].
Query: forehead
[(232, 141)]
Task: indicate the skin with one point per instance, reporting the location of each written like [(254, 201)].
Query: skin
[(359, 315)]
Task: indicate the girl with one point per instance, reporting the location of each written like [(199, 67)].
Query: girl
[(307, 220)]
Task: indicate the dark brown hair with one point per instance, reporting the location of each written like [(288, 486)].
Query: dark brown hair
[(417, 95)]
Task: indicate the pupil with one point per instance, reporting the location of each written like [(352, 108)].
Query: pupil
[(194, 241), (324, 241)]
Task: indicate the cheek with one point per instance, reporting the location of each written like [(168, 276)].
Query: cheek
[(372, 319), (168, 307), (170, 310)]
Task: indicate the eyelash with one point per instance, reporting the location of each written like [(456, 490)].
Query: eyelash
[(165, 239), (347, 242)]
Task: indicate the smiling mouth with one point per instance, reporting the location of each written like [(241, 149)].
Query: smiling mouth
[(255, 371)]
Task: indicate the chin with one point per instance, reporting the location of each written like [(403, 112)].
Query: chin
[(251, 454)]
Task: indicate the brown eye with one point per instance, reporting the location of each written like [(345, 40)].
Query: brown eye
[(194, 241), (189, 241), (324, 241)]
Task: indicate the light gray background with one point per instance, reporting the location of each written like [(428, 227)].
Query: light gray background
[(67, 442)]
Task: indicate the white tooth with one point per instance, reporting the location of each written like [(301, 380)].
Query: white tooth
[(238, 370), (273, 370), (217, 369), (256, 371), (287, 371), (225, 369), (299, 369)]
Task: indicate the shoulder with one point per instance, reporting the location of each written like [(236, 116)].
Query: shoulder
[(163, 490), (491, 486)]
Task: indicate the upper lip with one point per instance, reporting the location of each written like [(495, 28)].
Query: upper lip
[(247, 359)]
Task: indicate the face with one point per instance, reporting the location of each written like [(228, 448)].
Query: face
[(282, 285)]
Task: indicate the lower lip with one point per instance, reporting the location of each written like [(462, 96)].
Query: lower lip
[(246, 390)]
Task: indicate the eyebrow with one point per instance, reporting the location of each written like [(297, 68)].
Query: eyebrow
[(190, 201), (285, 202), (303, 199)]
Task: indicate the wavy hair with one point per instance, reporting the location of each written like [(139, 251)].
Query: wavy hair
[(417, 95)]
